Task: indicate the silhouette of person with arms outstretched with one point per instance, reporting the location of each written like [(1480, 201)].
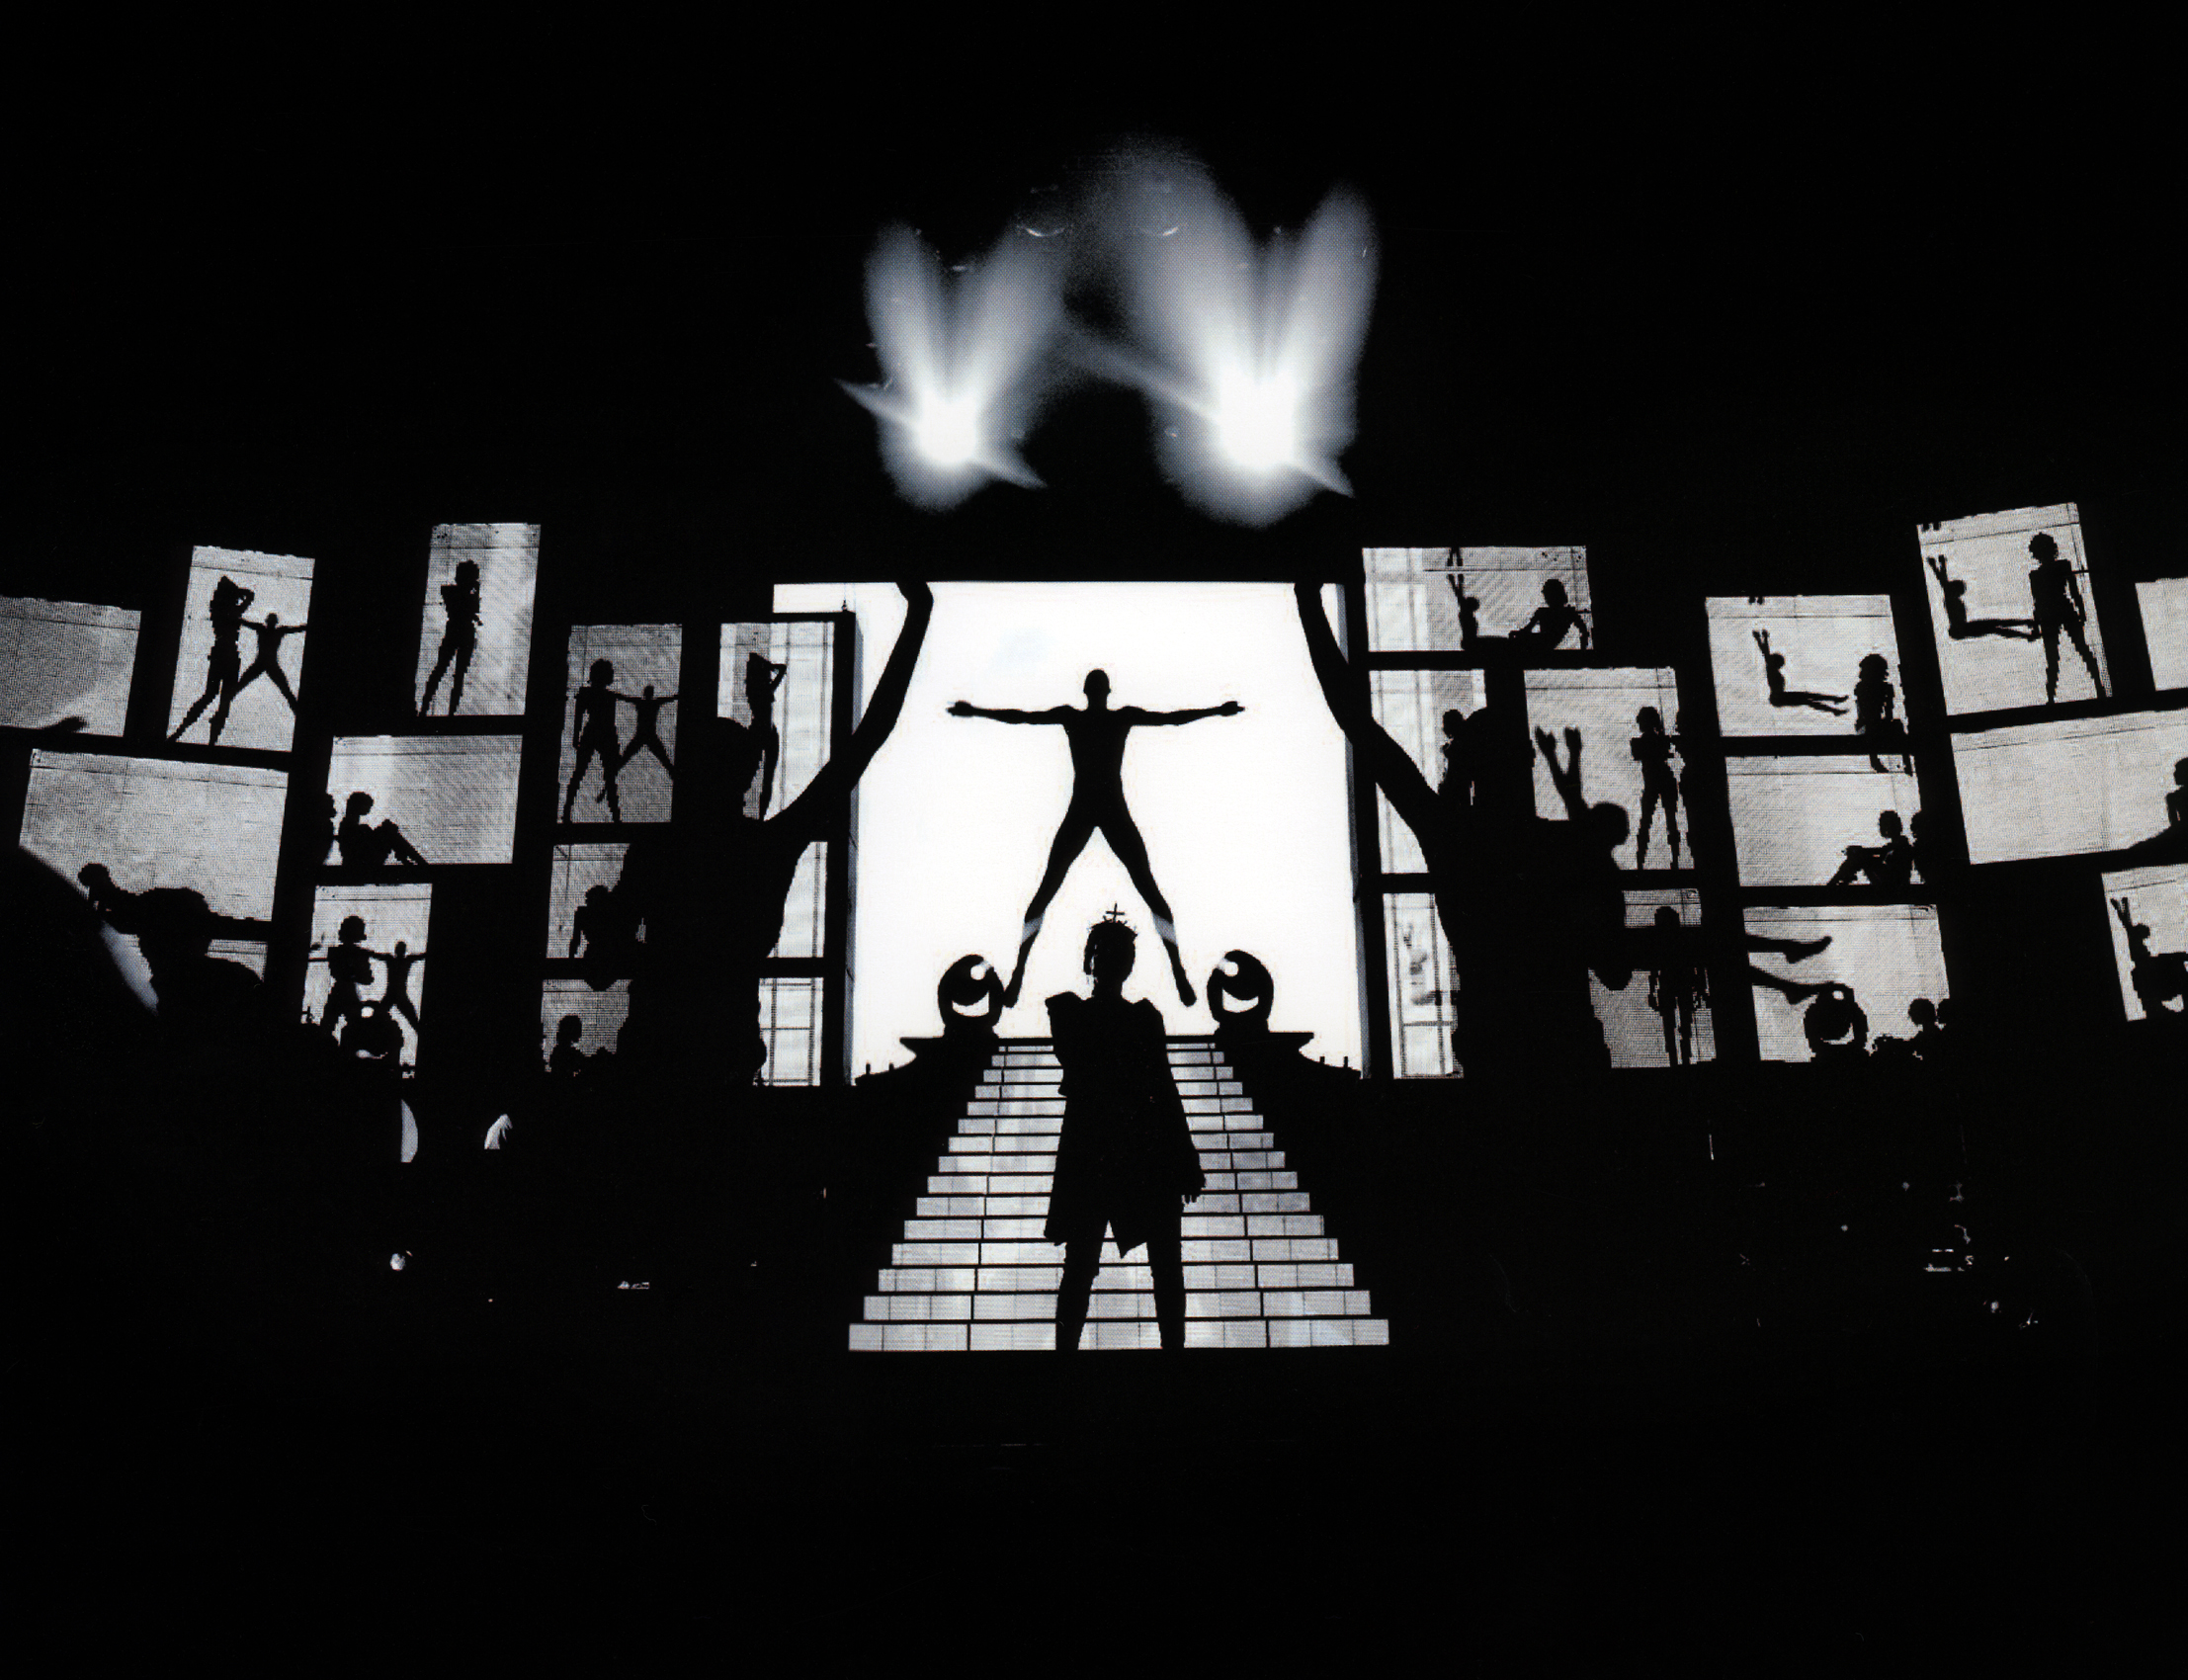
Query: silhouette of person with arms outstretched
[(460, 641), (1959, 625), (1652, 751), (369, 845), (1877, 712), (1678, 985), (265, 660), (224, 663), (349, 970), (394, 991), (2160, 977), (1126, 1160), (1096, 733), (1774, 678), (762, 677), (2056, 597), (593, 732), (1554, 621), (644, 732), (1889, 865)]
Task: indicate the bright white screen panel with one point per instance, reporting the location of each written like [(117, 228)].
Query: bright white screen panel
[(1887, 954), (2080, 785), (256, 649), (63, 660), (494, 659), (1993, 631), (1605, 707), (452, 796), (1794, 818), (2151, 946), (1822, 639), (640, 657)]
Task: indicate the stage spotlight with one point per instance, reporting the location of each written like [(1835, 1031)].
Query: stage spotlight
[(958, 357), (1248, 352)]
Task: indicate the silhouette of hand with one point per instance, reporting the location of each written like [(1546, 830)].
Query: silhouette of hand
[(1572, 745), (1548, 744), (1229, 708), (961, 708)]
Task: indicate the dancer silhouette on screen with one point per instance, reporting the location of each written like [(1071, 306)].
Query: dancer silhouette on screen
[(1126, 1160), (394, 991), (762, 677), (460, 641), (224, 663), (1891, 864), (369, 845), (265, 660), (1959, 625), (2056, 597), (1876, 714), (1678, 985), (1774, 678), (593, 734), (349, 970), (1652, 751), (1554, 621), (1469, 613), (1096, 732), (2160, 978), (644, 732)]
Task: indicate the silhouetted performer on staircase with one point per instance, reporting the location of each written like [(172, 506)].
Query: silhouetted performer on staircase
[(1096, 732), (2059, 607), (459, 599), (225, 663), (1774, 679), (1959, 625), (1126, 1160), (266, 661)]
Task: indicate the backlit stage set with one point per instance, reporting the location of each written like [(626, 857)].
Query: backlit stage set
[(1527, 872)]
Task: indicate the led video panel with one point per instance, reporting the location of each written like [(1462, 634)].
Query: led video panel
[(65, 665), (452, 798), (1525, 601), (2010, 605), (1791, 664), (1661, 1017), (1629, 755), (244, 623), (1424, 988), (2077, 785), (1824, 822), (1880, 959), (2147, 913), (371, 967), (2165, 606), (618, 722), (474, 642)]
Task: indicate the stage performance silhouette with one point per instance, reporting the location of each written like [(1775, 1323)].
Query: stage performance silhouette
[(1876, 714), (1126, 1160), (1678, 984), (1891, 864), (2057, 604), (1096, 732), (593, 732), (349, 969), (644, 732), (460, 641), (266, 659), (1652, 751), (369, 845), (224, 663), (762, 677), (1774, 677), (1554, 621), (394, 991), (1959, 625), (2160, 978)]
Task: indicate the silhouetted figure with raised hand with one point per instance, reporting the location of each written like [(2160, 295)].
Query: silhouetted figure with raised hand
[(1889, 865), (224, 663), (1774, 679), (2056, 597), (1652, 751), (1958, 624), (762, 677), (2160, 978), (1469, 613), (369, 845), (1678, 985), (593, 734), (644, 732), (394, 991), (1096, 733), (1877, 712), (266, 661), (460, 641), (1554, 621), (349, 970), (1126, 1160)]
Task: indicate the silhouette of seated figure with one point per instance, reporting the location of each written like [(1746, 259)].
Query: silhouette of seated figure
[(1126, 1160), (1836, 1027), (1889, 865), (2160, 978), (1959, 627), (1774, 680), (1251, 983), (369, 845), (968, 1001), (1554, 621)]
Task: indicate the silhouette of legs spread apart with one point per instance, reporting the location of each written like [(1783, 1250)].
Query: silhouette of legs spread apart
[(1082, 1260), (1118, 828)]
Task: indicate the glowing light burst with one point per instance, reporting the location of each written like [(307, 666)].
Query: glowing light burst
[(958, 358), (1256, 348)]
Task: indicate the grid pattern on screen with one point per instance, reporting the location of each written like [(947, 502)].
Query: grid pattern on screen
[(1633, 1028), (258, 716), (1604, 706), (790, 1023), (214, 828), (802, 703), (1998, 657), (1794, 818), (1424, 988), (2154, 963), (2073, 786), (601, 1014), (454, 797), (64, 659), (1889, 954), (391, 912), (975, 1273), (640, 655), (1410, 706), (508, 561), (2164, 607), (1822, 639)]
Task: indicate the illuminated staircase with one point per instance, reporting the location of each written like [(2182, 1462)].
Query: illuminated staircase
[(974, 1271)]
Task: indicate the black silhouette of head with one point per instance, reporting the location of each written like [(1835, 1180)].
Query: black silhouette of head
[(2042, 547), (1667, 916), (1649, 720), (353, 929), (1097, 685), (1112, 948), (1888, 824), (359, 804), (1873, 665), (466, 574), (603, 673), (1554, 592)]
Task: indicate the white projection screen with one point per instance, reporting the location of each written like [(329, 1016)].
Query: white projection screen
[(476, 627), (242, 644), (1822, 639), (2077, 785), (65, 664), (1996, 621), (2146, 911)]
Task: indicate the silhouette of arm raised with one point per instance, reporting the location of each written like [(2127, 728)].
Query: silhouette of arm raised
[(1568, 777), (1005, 715), (1229, 708), (1392, 768), (841, 773)]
